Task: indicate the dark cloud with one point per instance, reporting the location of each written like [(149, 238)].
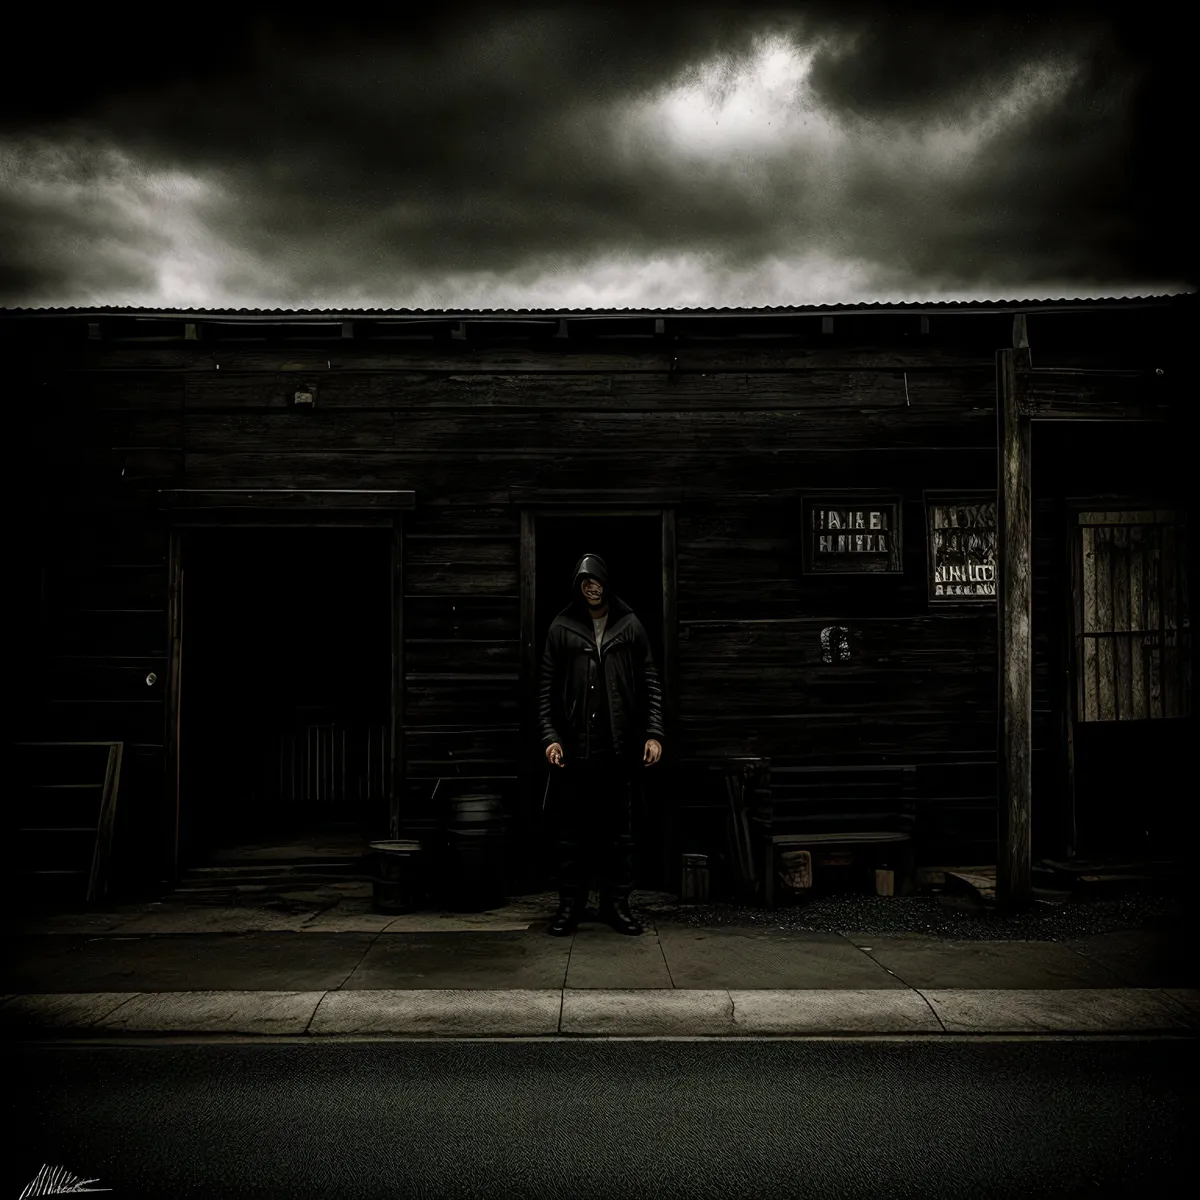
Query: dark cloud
[(477, 150), (917, 65)]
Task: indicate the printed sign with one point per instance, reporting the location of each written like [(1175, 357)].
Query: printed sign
[(962, 549), (852, 536)]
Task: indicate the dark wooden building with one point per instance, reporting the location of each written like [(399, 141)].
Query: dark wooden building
[(300, 564)]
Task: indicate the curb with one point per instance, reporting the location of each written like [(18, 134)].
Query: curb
[(575, 1012)]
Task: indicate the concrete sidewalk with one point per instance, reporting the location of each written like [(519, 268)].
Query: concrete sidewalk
[(675, 980), (606, 1013)]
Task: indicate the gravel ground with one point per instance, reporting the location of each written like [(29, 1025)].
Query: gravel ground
[(931, 915)]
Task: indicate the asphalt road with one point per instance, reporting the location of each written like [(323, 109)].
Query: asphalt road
[(607, 1120)]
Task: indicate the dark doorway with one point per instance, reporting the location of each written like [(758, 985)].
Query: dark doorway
[(631, 545), (1130, 656), (285, 684), (1111, 579)]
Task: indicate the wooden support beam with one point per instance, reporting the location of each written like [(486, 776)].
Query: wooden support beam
[(171, 715), (98, 877), (191, 332), (596, 498), (532, 773), (924, 324), (347, 329), (667, 796), (396, 739), (1054, 395), (562, 328), (267, 500), (1021, 334), (660, 327), (826, 324), (93, 331), (459, 332), (1014, 609)]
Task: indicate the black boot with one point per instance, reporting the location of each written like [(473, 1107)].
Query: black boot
[(616, 913), (566, 920)]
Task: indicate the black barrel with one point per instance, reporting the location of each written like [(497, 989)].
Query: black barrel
[(396, 876), (475, 852)]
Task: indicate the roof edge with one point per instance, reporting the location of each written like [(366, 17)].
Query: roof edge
[(417, 315)]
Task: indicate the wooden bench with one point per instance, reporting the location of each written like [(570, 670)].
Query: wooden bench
[(820, 807)]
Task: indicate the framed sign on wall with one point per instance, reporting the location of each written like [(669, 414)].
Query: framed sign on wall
[(961, 541), (854, 533)]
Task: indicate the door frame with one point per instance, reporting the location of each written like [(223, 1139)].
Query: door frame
[(663, 508), (1024, 395), (276, 508), (1072, 506)]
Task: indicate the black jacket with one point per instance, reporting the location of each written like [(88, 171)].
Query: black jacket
[(623, 665)]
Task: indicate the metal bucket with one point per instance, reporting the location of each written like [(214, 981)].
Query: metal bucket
[(475, 851), (395, 880)]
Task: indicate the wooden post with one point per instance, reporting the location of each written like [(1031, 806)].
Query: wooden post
[(396, 740), (668, 786), (102, 855), (1069, 649), (528, 771), (1014, 603), (171, 715)]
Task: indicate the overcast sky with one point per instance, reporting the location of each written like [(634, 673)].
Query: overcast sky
[(648, 155)]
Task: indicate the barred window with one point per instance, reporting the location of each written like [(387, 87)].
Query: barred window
[(1132, 648)]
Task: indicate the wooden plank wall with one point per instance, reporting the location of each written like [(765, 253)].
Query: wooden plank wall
[(103, 444), (462, 655), (742, 429)]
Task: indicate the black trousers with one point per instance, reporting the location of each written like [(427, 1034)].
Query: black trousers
[(595, 826)]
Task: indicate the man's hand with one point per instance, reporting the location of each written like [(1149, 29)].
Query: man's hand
[(653, 752), (554, 754)]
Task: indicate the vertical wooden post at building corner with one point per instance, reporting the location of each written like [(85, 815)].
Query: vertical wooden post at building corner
[(530, 773), (396, 738), (669, 804), (1014, 602), (172, 708)]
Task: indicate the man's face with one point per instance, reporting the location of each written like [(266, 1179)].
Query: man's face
[(593, 591)]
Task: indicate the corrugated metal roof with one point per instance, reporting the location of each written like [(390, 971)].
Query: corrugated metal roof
[(562, 313)]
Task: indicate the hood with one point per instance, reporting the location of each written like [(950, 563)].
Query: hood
[(592, 564), (589, 564)]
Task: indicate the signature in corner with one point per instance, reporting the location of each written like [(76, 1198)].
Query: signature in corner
[(57, 1181)]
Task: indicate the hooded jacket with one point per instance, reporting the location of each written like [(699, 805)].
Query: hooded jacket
[(573, 667)]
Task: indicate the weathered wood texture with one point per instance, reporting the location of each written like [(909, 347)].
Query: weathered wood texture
[(1014, 626), (932, 664), (522, 358), (1096, 395), (399, 667), (739, 432), (739, 445)]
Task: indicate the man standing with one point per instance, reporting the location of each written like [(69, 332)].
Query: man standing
[(600, 707)]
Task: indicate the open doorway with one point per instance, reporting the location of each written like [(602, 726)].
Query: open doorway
[(1130, 655), (632, 547), (285, 668)]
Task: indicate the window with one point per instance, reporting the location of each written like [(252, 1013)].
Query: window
[(961, 538), (1132, 649)]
